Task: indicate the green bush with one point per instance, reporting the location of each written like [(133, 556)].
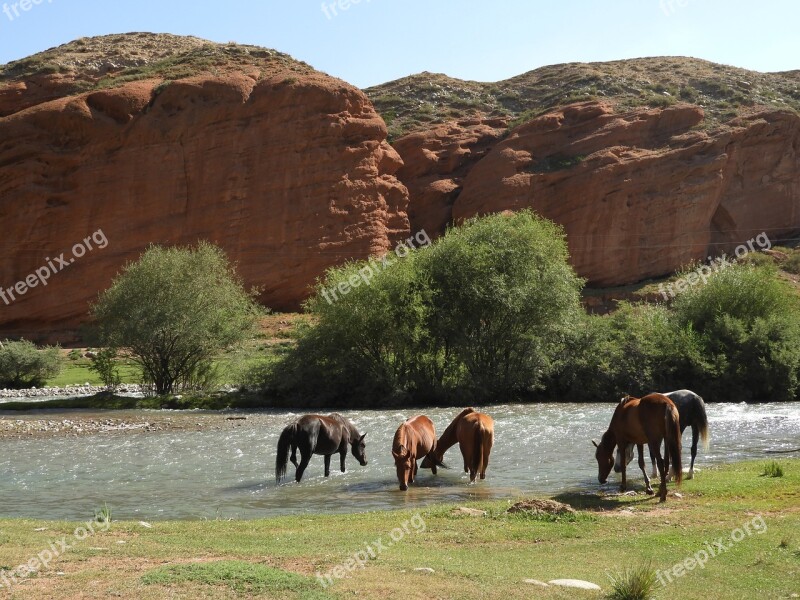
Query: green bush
[(174, 311), (105, 365), (748, 323), (23, 365), (481, 314)]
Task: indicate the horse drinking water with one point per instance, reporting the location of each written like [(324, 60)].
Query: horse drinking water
[(474, 433), (692, 411), (414, 439), (649, 420), (315, 434)]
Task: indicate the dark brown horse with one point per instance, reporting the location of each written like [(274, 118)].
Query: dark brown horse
[(414, 439), (474, 433), (649, 420), (315, 434)]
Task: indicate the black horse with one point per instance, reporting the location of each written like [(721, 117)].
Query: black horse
[(692, 411), (315, 434)]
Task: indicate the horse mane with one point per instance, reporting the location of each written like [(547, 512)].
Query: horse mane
[(608, 441), (448, 437), (348, 424), (399, 439)]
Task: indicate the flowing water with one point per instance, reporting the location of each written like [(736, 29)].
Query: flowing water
[(542, 449)]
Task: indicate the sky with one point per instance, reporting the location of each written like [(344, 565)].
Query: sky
[(368, 42)]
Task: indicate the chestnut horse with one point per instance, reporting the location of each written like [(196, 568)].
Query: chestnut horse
[(414, 439), (315, 434), (649, 420), (692, 411), (474, 433)]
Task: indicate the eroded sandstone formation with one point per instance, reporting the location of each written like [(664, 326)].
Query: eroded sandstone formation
[(640, 194), (290, 174)]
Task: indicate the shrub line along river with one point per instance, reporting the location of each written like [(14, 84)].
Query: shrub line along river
[(228, 471)]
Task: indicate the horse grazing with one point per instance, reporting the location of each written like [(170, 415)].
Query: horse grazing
[(474, 433), (414, 439), (315, 434), (692, 411), (649, 420)]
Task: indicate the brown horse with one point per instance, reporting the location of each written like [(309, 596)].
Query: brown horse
[(414, 439), (474, 433), (649, 420)]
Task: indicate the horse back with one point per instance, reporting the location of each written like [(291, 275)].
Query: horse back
[(424, 433), (473, 422)]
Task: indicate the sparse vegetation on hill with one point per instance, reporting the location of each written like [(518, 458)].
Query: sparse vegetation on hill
[(724, 92), (111, 60)]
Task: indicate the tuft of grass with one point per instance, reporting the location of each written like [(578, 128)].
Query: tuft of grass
[(103, 514), (635, 583), (240, 576), (773, 469)]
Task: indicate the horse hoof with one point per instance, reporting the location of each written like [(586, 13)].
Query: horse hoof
[(650, 492), (690, 475)]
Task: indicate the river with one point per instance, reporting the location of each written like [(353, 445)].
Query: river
[(539, 449)]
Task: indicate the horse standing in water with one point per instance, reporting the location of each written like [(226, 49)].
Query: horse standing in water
[(474, 433), (414, 439), (315, 434), (649, 420), (692, 411)]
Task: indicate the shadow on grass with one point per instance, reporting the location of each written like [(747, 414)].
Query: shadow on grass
[(588, 501)]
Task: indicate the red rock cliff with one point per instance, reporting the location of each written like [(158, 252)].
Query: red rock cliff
[(290, 174), (640, 194)]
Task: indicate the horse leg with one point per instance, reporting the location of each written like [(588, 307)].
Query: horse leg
[(655, 447), (647, 487), (654, 472), (623, 485), (293, 458), (414, 472), (342, 457), (327, 465), (305, 458), (695, 437)]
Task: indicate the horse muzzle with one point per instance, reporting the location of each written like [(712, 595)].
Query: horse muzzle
[(363, 463)]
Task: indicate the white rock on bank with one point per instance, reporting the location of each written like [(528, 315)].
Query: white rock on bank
[(575, 583)]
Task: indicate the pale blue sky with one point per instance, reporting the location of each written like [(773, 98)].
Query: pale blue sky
[(379, 40)]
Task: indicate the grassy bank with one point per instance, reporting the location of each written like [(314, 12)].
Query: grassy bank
[(472, 557)]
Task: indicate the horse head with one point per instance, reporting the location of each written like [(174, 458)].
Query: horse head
[(359, 449), (605, 456), (404, 463)]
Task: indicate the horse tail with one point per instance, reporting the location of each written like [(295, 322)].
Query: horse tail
[(701, 421), (488, 441), (672, 441), (478, 450), (282, 457)]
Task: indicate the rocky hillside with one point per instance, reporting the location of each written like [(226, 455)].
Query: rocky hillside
[(286, 168), (420, 101), (648, 164)]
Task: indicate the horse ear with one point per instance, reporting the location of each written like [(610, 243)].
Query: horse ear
[(361, 439), (595, 444)]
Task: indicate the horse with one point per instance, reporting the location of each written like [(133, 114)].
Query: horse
[(316, 434), (474, 433), (414, 439), (692, 411), (649, 420)]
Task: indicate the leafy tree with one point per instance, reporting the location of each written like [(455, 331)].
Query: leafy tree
[(23, 365), (480, 313), (173, 311), (105, 365)]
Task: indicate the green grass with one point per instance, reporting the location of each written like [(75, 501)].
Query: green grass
[(106, 401), (773, 469), (241, 576), (77, 372), (635, 583), (486, 557)]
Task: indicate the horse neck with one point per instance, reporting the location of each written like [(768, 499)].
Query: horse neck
[(401, 438), (449, 437)]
